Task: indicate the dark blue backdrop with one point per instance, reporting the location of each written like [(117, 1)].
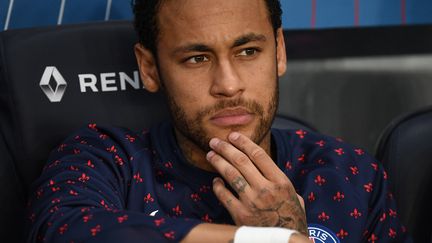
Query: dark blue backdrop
[(298, 13)]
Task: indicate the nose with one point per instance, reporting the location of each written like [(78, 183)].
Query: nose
[(226, 81)]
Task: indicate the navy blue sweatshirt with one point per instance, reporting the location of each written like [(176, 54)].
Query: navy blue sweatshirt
[(108, 184)]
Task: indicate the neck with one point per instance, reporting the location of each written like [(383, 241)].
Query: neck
[(196, 156)]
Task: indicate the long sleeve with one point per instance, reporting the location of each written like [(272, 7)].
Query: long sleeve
[(345, 189), (82, 193)]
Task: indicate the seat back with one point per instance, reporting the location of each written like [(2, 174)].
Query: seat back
[(351, 82), (53, 81), (405, 148)]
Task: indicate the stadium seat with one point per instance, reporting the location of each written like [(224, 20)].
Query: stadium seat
[(55, 80), (405, 148)]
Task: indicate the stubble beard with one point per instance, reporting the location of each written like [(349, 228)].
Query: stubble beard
[(193, 128)]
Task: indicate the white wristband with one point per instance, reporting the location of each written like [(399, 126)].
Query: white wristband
[(247, 234)]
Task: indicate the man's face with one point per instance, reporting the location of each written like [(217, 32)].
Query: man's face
[(218, 67)]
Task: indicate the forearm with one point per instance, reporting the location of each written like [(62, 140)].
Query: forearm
[(215, 233), (211, 233)]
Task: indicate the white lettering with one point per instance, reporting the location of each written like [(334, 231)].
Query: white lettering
[(105, 81), (323, 236), (109, 82), (312, 232), (135, 82), (91, 83)]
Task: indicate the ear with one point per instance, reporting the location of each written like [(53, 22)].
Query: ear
[(281, 52), (148, 68)]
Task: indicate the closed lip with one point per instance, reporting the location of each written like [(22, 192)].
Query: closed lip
[(232, 117), (231, 112)]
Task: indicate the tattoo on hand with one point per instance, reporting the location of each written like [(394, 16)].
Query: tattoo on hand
[(289, 215)]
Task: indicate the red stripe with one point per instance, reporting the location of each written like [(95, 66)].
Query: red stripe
[(313, 17), (403, 11), (356, 12)]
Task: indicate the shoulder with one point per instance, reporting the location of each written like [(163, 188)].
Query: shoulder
[(312, 147), (344, 187), (305, 140), (102, 134), (102, 141), (329, 162)]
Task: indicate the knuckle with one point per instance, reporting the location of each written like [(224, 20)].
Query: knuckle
[(263, 191), (230, 172), (258, 153), (280, 185), (262, 197), (241, 160), (283, 183), (301, 200), (265, 196)]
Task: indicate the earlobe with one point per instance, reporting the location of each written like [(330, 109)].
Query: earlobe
[(147, 68), (281, 53)]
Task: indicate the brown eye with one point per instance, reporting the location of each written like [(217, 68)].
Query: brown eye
[(197, 59), (248, 52)]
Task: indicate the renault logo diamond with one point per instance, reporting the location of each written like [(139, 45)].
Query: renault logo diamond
[(54, 94)]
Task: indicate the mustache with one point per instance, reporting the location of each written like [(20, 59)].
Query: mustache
[(251, 105)]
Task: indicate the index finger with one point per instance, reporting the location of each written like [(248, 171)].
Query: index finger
[(231, 155), (258, 156)]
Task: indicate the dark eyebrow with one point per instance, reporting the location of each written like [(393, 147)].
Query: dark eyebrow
[(248, 38), (193, 48), (204, 48)]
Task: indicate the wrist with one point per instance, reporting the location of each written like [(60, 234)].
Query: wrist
[(247, 234)]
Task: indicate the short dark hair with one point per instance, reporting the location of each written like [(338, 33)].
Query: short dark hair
[(146, 24)]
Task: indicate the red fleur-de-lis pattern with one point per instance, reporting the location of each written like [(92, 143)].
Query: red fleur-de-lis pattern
[(338, 196), (123, 218), (148, 198), (319, 180), (106, 178), (323, 216), (355, 213), (342, 234)]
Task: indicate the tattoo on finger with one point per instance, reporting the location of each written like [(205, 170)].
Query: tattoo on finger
[(228, 202), (239, 184)]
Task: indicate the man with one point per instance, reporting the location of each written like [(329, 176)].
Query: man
[(217, 167)]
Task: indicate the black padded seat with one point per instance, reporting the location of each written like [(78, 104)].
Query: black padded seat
[(55, 80), (405, 148)]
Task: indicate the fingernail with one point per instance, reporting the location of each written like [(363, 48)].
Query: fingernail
[(214, 142), (234, 136), (217, 179), (210, 155)]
